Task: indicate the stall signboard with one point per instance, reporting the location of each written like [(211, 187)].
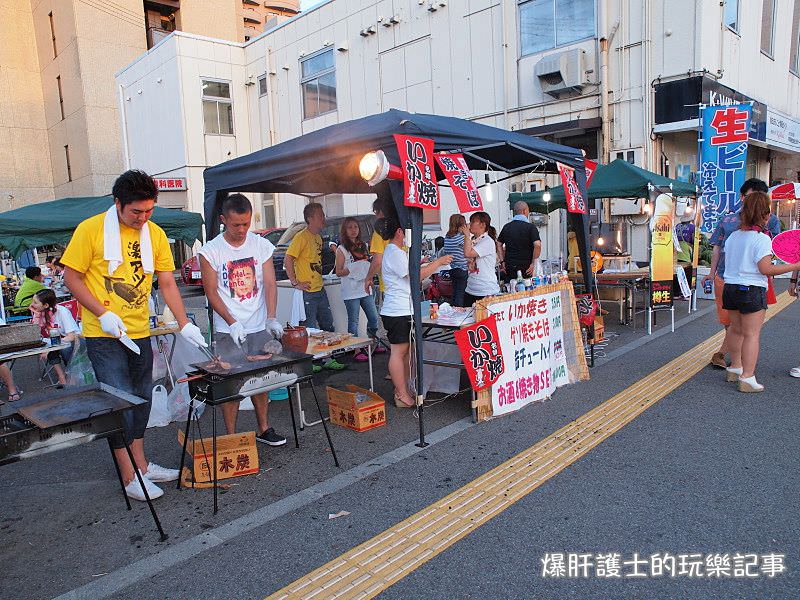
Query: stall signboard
[(723, 159), (572, 193), (662, 247), (170, 184), (531, 334), (419, 175), (461, 181), (481, 352)]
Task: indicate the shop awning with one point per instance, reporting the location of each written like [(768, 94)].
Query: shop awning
[(619, 179), (54, 222)]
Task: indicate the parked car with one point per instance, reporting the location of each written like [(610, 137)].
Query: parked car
[(330, 234), (190, 270)]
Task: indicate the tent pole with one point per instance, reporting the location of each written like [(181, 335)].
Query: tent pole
[(414, 262)]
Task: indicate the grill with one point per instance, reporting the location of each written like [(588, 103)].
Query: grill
[(66, 418), (213, 385)]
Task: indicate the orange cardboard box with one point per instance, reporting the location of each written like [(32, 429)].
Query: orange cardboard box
[(358, 416), (236, 455)]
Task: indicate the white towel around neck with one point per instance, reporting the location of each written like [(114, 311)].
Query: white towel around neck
[(112, 243)]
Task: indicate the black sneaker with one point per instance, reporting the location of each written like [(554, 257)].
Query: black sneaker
[(271, 438)]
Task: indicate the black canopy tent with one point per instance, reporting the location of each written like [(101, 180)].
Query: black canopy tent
[(326, 161)]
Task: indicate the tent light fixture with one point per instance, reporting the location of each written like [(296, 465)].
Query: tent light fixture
[(374, 167), (546, 196), (601, 240)]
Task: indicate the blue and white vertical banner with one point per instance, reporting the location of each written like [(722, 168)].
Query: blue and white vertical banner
[(723, 160)]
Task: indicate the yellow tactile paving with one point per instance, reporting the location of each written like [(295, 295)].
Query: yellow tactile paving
[(373, 566)]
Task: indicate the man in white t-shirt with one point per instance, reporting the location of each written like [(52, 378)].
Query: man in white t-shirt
[(239, 281)]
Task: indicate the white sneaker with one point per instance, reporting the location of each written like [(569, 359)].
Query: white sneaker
[(134, 489), (795, 372), (158, 473)]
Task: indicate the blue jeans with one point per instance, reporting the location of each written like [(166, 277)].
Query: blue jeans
[(353, 307), (118, 367), (318, 310), (459, 279)]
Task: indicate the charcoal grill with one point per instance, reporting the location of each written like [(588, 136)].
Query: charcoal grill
[(46, 423), (213, 385)]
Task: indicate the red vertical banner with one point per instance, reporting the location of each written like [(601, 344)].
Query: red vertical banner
[(481, 352), (461, 181), (572, 193), (419, 177), (590, 167)]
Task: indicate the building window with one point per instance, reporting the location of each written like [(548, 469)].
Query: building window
[(268, 215), (546, 24), (768, 27), (262, 85), (318, 82), (793, 66), (731, 15), (53, 33), (69, 165), (217, 107), (60, 96)]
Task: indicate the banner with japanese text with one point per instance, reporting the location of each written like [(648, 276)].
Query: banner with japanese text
[(575, 201), (531, 334), (481, 353), (591, 168), (723, 160), (662, 247), (461, 181), (419, 175)]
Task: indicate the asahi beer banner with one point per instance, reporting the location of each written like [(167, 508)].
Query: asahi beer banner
[(419, 176), (723, 159), (461, 182), (662, 246), (531, 334)]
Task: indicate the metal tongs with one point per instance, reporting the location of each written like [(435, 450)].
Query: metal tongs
[(207, 352)]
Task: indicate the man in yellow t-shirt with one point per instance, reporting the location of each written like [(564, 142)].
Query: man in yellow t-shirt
[(114, 288), (376, 247)]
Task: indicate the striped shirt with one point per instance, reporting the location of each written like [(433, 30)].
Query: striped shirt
[(454, 246)]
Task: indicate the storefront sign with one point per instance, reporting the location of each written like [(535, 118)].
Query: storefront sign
[(419, 177), (481, 353), (530, 330), (783, 131), (572, 193), (170, 184), (723, 159), (461, 182), (662, 246)]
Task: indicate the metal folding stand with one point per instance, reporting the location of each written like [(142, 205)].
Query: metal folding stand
[(309, 380)]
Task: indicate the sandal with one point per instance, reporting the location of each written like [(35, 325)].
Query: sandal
[(15, 396), (361, 356), (334, 365), (398, 402)]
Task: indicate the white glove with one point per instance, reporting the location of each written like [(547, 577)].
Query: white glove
[(192, 334), (237, 333), (111, 324), (274, 327)]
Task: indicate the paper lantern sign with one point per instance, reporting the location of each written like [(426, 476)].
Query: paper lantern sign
[(481, 353), (587, 308), (419, 177), (461, 182), (786, 246)]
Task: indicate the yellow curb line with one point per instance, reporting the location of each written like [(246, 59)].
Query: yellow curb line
[(373, 566)]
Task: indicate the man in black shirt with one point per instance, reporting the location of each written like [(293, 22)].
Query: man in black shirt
[(520, 239)]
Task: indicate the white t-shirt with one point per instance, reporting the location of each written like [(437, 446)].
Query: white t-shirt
[(64, 320), (396, 282), (353, 284), (240, 279), (483, 282), (743, 250)]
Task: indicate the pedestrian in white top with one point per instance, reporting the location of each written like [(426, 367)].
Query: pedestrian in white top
[(748, 262), (397, 309), (480, 248), (352, 265), (239, 281), (48, 314)]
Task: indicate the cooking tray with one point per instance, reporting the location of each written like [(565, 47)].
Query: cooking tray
[(76, 404), (240, 367)]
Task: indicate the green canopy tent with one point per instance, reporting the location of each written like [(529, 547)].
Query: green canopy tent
[(619, 179), (54, 222)]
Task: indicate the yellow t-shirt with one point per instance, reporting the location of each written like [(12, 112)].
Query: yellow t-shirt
[(127, 290), (377, 245), (306, 248)]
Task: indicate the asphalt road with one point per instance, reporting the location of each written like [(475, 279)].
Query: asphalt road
[(705, 470)]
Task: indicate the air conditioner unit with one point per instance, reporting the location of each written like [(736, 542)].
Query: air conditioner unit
[(562, 73)]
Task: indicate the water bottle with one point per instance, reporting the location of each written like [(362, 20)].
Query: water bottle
[(55, 336), (520, 282), (708, 286)]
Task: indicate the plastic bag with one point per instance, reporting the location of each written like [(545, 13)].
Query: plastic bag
[(79, 370), (159, 409), (178, 403)]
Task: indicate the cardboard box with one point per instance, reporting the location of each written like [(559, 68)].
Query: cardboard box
[(358, 416), (236, 455), (599, 330)]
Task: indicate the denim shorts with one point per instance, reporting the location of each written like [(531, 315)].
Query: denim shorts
[(118, 367), (744, 299)]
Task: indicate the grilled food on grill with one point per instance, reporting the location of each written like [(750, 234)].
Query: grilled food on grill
[(258, 357)]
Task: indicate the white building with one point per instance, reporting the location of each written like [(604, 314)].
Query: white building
[(617, 78)]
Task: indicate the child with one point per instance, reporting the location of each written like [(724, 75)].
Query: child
[(49, 315)]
